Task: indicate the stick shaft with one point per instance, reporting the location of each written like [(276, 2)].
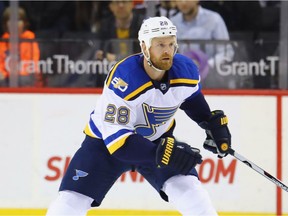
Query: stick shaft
[(258, 169)]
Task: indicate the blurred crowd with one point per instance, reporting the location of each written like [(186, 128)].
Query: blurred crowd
[(109, 20), (63, 16)]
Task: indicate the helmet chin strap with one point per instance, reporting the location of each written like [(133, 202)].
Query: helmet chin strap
[(150, 62)]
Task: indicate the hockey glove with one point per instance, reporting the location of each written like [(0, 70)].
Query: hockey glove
[(218, 138), (177, 155)]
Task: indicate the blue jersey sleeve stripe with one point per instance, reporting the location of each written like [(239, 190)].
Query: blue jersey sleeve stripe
[(113, 137), (92, 130), (118, 144), (117, 140), (142, 89)]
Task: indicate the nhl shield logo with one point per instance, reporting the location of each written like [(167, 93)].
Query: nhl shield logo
[(163, 86)]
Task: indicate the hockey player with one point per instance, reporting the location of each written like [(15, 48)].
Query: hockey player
[(132, 127)]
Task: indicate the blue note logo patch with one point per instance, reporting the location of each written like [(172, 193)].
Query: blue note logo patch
[(79, 174)]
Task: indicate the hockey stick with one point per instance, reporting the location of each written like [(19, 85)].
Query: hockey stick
[(258, 169)]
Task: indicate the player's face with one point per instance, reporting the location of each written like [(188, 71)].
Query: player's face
[(162, 51)]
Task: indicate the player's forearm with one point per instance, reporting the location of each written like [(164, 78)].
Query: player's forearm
[(197, 108)]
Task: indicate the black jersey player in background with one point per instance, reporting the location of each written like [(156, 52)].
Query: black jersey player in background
[(132, 127)]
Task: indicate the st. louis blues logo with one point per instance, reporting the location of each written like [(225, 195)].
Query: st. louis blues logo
[(154, 117), (79, 173)]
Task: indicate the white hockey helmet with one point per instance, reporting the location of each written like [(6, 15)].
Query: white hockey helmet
[(155, 27)]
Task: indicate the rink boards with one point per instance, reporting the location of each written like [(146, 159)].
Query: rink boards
[(40, 132)]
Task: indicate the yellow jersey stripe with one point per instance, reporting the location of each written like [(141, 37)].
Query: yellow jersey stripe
[(137, 91), (171, 125), (113, 71), (117, 144), (89, 132), (188, 81)]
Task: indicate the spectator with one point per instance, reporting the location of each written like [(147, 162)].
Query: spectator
[(124, 24), (197, 23), (140, 6), (166, 8), (88, 15), (267, 42), (29, 53), (270, 15), (50, 16), (3, 5), (257, 24), (238, 15)]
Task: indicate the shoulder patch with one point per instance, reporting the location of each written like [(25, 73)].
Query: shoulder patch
[(120, 84), (127, 78)]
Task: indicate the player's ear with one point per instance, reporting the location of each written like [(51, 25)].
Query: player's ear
[(144, 50)]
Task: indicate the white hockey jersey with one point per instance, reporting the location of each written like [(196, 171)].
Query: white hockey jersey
[(133, 103)]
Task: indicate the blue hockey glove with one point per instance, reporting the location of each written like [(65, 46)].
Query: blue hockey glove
[(218, 138), (177, 155)]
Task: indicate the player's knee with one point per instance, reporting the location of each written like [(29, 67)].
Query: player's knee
[(70, 203), (177, 185), (188, 196)]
